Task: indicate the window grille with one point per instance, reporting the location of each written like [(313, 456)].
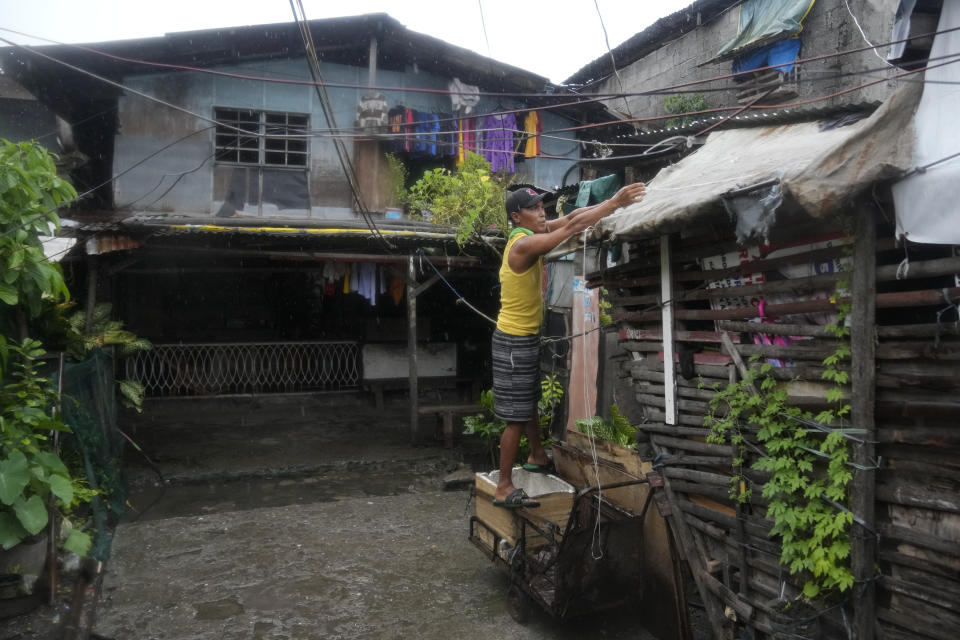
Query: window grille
[(262, 138)]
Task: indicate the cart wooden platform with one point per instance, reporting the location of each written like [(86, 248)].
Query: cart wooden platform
[(593, 562)]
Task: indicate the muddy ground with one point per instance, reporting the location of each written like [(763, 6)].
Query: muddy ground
[(302, 518)]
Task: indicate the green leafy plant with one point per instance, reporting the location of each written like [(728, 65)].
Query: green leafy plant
[(34, 481), (32, 475), (105, 332), (30, 192), (617, 429), (807, 459), (398, 173), (604, 306), (683, 103), (489, 427), (470, 199)]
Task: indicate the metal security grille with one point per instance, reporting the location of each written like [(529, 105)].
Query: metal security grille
[(172, 370)]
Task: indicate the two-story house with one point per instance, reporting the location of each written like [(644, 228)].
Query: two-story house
[(238, 200)]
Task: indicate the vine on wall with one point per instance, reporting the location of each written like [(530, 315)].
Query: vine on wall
[(807, 458)]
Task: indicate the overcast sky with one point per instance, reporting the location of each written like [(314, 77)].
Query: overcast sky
[(553, 38)]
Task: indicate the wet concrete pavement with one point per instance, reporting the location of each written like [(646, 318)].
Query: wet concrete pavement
[(305, 518)]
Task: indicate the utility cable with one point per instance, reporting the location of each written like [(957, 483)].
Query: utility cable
[(560, 130), (228, 126), (569, 94), (313, 63), (460, 298), (613, 62), (864, 35), (33, 219)]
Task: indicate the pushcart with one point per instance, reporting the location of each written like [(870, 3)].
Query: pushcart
[(593, 563)]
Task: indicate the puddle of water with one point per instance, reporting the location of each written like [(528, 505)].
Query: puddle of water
[(218, 609), (155, 503)]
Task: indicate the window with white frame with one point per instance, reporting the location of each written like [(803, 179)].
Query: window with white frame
[(262, 138)]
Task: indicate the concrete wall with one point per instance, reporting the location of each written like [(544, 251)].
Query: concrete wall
[(827, 29), (146, 126)]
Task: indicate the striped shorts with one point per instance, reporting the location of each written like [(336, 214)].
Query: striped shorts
[(516, 376)]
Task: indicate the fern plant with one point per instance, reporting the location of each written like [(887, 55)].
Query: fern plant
[(617, 429)]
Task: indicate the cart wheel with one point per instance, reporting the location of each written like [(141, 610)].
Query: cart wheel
[(518, 605)]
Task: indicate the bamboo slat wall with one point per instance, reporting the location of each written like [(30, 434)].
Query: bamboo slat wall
[(917, 409)]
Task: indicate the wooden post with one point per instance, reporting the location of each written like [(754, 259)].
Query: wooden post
[(372, 63), (863, 378), (683, 539), (412, 350), (666, 295), (92, 276)]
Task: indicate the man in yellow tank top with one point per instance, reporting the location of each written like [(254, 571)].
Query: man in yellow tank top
[(516, 340)]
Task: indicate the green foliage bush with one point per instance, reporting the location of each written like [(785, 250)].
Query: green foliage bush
[(489, 427), (683, 103), (34, 480), (471, 198)]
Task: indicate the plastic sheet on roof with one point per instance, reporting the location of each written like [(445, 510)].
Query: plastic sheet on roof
[(763, 20), (819, 168), (927, 203)]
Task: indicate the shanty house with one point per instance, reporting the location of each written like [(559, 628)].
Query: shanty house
[(239, 206), (801, 220)]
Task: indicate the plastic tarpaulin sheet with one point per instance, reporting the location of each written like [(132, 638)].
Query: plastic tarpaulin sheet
[(818, 167), (928, 203), (765, 19)]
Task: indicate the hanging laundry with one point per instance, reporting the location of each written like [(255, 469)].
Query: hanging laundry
[(365, 281), (533, 126), (461, 151), (395, 117), (346, 279), (409, 117), (470, 134), (464, 97), (397, 287), (498, 141), (447, 143)]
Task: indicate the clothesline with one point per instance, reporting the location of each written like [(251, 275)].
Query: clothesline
[(497, 137), (365, 278)]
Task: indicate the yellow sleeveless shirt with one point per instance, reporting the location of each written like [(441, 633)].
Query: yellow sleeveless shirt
[(521, 297)]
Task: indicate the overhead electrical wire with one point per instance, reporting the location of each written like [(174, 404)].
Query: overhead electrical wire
[(558, 130), (570, 94), (349, 172), (561, 130), (613, 61)]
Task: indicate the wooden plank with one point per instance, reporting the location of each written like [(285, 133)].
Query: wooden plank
[(684, 542), (920, 539), (412, 350), (910, 494), (774, 329), (693, 475), (666, 293), (927, 297), (920, 269), (678, 336), (672, 430), (824, 282), (863, 542)]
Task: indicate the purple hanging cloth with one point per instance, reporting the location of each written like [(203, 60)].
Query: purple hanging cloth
[(498, 141)]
